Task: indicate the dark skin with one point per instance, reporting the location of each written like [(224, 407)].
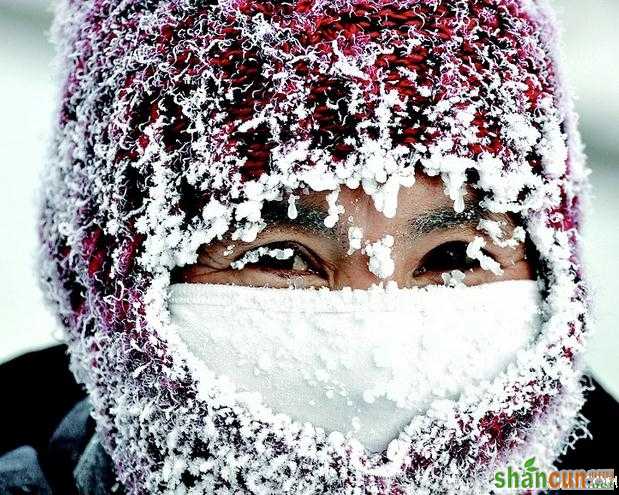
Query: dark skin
[(430, 239)]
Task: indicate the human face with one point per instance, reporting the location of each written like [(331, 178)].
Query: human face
[(430, 239)]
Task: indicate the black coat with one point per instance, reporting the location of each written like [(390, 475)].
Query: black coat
[(48, 443)]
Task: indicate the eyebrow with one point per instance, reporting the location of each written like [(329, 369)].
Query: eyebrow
[(309, 218), (447, 218)]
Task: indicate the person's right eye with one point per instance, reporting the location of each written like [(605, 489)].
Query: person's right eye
[(281, 258)]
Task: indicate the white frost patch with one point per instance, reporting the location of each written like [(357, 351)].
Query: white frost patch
[(452, 170), (344, 65), (553, 150), (292, 207), (474, 250), (425, 91), (254, 256), (355, 237), (454, 278), (229, 249), (334, 208), (495, 230), (520, 132), (379, 253)]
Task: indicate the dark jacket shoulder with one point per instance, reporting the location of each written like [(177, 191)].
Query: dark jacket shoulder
[(38, 390), (49, 444)]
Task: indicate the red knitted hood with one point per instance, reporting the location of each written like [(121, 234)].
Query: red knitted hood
[(178, 119)]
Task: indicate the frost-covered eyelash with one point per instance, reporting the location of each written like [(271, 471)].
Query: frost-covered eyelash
[(254, 255), (422, 269)]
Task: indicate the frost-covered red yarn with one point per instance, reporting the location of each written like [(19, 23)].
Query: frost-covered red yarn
[(452, 58), (177, 118)]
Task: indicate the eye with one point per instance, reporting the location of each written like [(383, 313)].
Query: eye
[(446, 257), (283, 257)]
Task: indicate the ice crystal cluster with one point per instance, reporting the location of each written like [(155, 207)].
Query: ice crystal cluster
[(178, 119)]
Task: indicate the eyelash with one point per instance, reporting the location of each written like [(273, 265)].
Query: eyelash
[(446, 257), (269, 263)]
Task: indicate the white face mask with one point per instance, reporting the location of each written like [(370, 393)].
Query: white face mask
[(362, 363)]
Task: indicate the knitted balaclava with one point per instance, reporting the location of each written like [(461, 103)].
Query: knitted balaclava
[(178, 119)]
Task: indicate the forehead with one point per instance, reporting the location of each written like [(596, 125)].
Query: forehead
[(422, 208), (425, 194)]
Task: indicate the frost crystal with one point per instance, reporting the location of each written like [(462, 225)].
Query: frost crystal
[(454, 278), (380, 262), (474, 250), (355, 237), (254, 255)]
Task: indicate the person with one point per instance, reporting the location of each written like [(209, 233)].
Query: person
[(308, 247)]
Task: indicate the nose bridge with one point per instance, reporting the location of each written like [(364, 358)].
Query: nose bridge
[(356, 276), (360, 212), (354, 272)]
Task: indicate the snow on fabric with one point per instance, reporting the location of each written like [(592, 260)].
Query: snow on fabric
[(177, 119), (412, 347)]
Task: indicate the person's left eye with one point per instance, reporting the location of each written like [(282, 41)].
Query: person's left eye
[(446, 257)]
